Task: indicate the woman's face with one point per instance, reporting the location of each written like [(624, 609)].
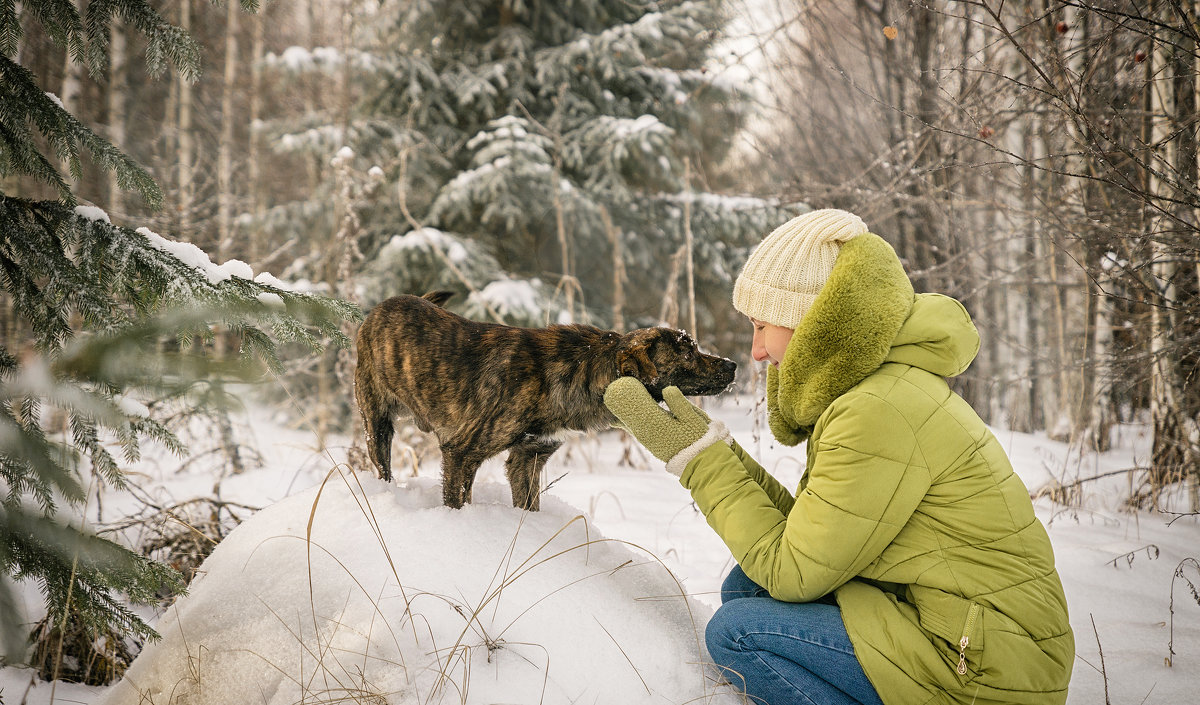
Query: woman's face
[(770, 342)]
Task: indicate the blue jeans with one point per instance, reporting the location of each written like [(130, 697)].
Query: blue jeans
[(784, 653)]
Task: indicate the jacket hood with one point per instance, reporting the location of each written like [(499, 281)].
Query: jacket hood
[(865, 315), (938, 336)]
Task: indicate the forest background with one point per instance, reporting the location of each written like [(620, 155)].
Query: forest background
[(597, 161)]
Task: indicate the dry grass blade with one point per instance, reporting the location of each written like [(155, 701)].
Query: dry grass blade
[(627, 659)]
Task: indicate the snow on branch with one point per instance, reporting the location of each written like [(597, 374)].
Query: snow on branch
[(299, 60)]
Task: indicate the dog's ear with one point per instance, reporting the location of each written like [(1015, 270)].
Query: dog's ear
[(634, 361), (438, 298)]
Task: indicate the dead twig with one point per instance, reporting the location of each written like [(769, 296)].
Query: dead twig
[(1151, 553), (1103, 670), (1195, 596)]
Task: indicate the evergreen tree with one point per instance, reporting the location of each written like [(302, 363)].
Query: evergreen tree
[(102, 318), (550, 135)]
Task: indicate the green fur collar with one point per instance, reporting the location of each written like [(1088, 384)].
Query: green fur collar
[(846, 335)]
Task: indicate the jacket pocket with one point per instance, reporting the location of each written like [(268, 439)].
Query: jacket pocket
[(958, 625)]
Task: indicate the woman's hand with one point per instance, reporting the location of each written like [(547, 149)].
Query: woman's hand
[(674, 436)]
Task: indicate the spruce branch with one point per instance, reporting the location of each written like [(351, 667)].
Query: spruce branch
[(22, 103)]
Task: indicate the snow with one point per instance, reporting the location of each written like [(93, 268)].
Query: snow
[(486, 171), (719, 202), (237, 268), (427, 239), (295, 58), (670, 81), (132, 407), (187, 253), (585, 598), (92, 213), (55, 99), (359, 586), (194, 257), (511, 296), (315, 138), (343, 155), (507, 127), (299, 59), (501, 151), (641, 126), (269, 279), (1111, 260), (649, 25), (326, 55), (272, 300)]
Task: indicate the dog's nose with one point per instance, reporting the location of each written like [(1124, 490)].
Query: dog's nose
[(729, 367)]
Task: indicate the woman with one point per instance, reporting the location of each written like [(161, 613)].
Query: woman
[(909, 567)]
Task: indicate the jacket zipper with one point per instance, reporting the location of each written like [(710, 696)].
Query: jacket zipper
[(962, 643)]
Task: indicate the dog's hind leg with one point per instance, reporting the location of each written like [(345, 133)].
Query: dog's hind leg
[(458, 475), (379, 443), (377, 418), (524, 470)]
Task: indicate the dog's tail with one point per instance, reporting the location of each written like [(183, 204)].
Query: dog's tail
[(438, 298)]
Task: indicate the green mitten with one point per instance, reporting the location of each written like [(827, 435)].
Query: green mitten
[(674, 436)]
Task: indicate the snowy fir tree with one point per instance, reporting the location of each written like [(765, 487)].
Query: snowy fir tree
[(101, 324), (550, 160)]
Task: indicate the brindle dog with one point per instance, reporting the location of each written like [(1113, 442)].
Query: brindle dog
[(483, 388)]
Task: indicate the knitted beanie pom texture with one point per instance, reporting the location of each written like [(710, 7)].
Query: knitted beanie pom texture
[(784, 274)]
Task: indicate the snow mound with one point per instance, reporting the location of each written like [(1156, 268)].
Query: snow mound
[(397, 599)]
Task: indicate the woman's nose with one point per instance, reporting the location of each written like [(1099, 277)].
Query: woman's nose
[(758, 350)]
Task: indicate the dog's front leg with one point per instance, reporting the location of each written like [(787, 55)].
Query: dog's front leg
[(458, 474), (524, 470)]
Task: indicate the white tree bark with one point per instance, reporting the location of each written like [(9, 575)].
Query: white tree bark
[(184, 149), (254, 153), (225, 195), (1170, 111), (70, 95), (118, 88)]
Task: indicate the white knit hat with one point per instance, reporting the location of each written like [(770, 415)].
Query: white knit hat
[(786, 271)]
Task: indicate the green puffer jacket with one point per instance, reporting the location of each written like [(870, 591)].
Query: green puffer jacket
[(909, 511)]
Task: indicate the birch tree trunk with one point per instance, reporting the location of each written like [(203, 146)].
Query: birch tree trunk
[(118, 88), (1092, 420), (618, 259), (1171, 106), (1056, 393), (1183, 126), (690, 246), (254, 246), (70, 95), (1191, 160), (1030, 317), (9, 183), (225, 196), (184, 148), (311, 92)]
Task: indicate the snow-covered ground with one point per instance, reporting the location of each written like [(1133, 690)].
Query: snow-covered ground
[(601, 597)]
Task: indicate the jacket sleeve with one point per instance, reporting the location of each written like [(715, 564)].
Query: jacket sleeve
[(778, 494), (864, 480)]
